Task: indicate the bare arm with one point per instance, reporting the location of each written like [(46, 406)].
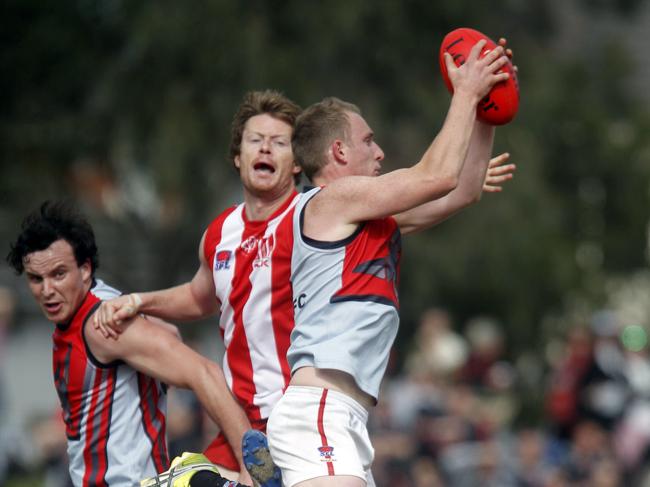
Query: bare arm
[(480, 173), (156, 351), (347, 201), (190, 301), (468, 191)]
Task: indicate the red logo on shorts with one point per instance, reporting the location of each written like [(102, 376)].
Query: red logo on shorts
[(326, 452)]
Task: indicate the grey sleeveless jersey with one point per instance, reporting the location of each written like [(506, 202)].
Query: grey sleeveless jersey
[(114, 415), (345, 300)]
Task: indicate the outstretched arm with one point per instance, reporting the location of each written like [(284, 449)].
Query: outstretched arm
[(468, 191), (347, 201), (479, 173), (156, 351), (187, 302)]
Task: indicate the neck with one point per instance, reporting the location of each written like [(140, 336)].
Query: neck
[(328, 173), (261, 207)]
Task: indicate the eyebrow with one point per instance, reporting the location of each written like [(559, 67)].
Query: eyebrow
[(56, 269), (272, 136)]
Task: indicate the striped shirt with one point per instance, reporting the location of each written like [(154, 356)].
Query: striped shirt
[(114, 415), (251, 267)]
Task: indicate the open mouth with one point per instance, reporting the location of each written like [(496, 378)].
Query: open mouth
[(52, 307), (264, 167)]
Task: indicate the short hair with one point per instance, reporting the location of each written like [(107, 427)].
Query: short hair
[(269, 102), (316, 128), (51, 222)]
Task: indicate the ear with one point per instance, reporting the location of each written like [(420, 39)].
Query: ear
[(296, 169), (338, 152), (86, 271), (237, 161)]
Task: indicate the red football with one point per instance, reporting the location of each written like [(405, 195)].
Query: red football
[(501, 104)]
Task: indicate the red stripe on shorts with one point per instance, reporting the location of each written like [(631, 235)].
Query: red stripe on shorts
[(321, 429)]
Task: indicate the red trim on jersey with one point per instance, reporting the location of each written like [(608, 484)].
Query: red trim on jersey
[(240, 364), (371, 264), (68, 373), (282, 293), (93, 453), (213, 236), (148, 388), (108, 378), (321, 428)]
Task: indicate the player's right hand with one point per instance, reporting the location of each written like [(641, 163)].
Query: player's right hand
[(477, 75), (111, 314)]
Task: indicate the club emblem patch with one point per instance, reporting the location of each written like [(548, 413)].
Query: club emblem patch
[(326, 453), (222, 260)]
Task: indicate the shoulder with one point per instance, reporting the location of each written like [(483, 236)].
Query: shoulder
[(103, 291), (214, 231), (218, 221)]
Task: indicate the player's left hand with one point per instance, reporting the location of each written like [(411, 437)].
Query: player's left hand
[(498, 172), (508, 52)]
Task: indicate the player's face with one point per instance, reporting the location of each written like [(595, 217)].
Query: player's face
[(364, 155), (265, 162), (57, 283)]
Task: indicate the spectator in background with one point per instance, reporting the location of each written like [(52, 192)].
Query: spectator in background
[(486, 347), (566, 376), (439, 351)]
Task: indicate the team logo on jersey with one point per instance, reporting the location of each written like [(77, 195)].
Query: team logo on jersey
[(249, 244), (326, 453), (264, 250), (222, 260)]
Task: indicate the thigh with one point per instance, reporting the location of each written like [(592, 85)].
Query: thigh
[(314, 436), (338, 481)]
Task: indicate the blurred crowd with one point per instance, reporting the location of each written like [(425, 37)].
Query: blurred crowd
[(457, 413), (459, 408)]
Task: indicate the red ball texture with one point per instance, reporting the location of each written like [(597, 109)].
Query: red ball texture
[(502, 102)]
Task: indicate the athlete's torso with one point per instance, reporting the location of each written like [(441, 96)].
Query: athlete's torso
[(346, 300), (250, 263), (114, 415)]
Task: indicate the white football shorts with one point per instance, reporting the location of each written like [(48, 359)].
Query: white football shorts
[(315, 432)]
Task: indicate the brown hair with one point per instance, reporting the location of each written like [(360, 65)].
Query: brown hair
[(269, 102), (316, 128)]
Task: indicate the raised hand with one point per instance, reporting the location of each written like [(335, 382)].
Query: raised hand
[(498, 172), (478, 74)]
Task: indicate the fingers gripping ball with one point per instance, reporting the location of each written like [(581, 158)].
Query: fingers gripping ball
[(502, 103)]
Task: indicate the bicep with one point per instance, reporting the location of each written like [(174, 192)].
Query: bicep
[(154, 351), (357, 199), (165, 325), (428, 214)]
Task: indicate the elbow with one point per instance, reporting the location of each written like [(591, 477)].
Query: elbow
[(213, 374), (469, 200), (447, 183), (173, 329)]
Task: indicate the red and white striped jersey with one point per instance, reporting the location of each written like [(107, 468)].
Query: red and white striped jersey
[(251, 268), (114, 415)]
